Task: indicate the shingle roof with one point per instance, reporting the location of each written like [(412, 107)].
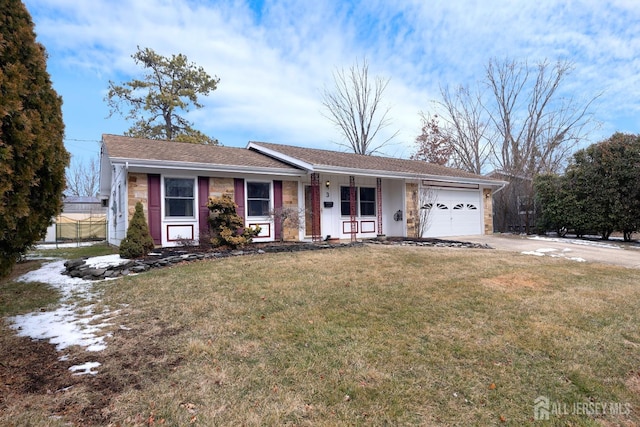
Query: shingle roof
[(127, 148), (335, 159), (124, 147)]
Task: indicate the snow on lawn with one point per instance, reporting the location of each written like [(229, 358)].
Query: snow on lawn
[(42, 246), (576, 242), (553, 253), (73, 323)]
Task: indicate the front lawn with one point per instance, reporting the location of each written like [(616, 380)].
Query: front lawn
[(370, 336)]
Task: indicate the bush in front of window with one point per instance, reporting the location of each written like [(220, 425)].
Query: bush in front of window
[(226, 226), (138, 242)]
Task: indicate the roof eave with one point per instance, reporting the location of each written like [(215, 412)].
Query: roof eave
[(408, 175), (191, 166)]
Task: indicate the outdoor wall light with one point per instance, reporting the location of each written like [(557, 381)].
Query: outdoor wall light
[(328, 183)]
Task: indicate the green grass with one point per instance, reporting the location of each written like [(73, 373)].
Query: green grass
[(76, 252), (374, 336), (20, 297)]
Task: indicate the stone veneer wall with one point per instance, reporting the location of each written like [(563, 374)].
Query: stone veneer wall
[(290, 200), (411, 193), (488, 210), (138, 191), (220, 186)]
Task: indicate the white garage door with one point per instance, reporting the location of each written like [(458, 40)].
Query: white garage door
[(454, 213)]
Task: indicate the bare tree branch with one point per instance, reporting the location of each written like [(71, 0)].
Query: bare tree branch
[(468, 128), (83, 179), (354, 107)]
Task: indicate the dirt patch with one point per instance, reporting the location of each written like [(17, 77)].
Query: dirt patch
[(514, 281), (33, 378)]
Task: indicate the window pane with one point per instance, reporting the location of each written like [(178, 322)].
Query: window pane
[(179, 207), (179, 199), (258, 190), (258, 198), (345, 201), (258, 207), (367, 201), (367, 194), (178, 187), (367, 209)]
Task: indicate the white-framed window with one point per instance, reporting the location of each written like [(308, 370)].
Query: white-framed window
[(179, 197), (258, 199), (365, 201)]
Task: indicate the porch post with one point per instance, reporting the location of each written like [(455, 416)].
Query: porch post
[(352, 205), (315, 208), (379, 203)]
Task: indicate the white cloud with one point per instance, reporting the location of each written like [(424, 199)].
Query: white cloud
[(274, 62)]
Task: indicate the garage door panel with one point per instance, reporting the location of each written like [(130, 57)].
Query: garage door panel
[(455, 213)]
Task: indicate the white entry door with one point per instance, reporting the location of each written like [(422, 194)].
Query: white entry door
[(455, 213)]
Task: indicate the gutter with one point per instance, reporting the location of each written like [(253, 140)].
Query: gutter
[(161, 164)]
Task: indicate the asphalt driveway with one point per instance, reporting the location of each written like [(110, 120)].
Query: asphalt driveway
[(579, 250)]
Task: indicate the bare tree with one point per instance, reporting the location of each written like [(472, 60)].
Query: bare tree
[(522, 125), (519, 122), (538, 128), (467, 124), (291, 217), (424, 202), (83, 178), (354, 107)]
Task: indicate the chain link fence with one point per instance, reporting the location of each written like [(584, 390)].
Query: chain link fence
[(69, 230)]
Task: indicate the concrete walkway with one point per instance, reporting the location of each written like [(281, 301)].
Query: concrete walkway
[(607, 252)]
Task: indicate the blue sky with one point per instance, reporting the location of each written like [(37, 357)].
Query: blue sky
[(274, 58)]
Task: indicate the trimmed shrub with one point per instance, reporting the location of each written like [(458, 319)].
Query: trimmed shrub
[(138, 242), (226, 226)]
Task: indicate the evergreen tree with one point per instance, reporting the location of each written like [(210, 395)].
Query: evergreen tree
[(138, 242), (599, 192), (159, 101), (32, 153)]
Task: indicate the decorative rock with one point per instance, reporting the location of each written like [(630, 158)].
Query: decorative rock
[(74, 263), (78, 267)]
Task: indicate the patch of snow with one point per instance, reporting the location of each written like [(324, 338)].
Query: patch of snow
[(72, 323), (552, 253), (545, 239), (62, 327), (106, 261), (595, 244), (536, 253), (575, 242), (85, 368), (44, 246)]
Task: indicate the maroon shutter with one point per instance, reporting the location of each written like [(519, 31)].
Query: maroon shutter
[(154, 208), (238, 195), (277, 205), (203, 201)]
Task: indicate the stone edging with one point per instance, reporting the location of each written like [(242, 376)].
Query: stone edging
[(78, 267)]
